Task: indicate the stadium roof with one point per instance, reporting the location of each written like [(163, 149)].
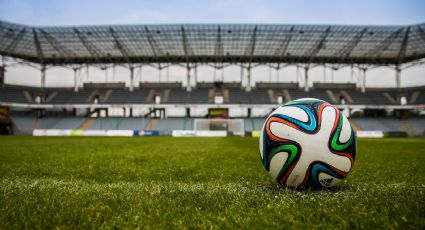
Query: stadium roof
[(192, 43)]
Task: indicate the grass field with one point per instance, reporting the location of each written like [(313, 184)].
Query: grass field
[(164, 182)]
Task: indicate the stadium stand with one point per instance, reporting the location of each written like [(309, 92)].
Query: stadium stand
[(260, 96), (253, 123), (23, 124), (418, 125), (59, 122), (13, 95), (140, 123), (116, 96), (382, 124), (200, 96), (177, 96), (60, 96), (67, 123), (138, 97), (238, 96), (170, 124), (144, 105), (119, 123), (204, 96)]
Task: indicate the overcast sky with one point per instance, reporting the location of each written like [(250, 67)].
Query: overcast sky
[(90, 12)]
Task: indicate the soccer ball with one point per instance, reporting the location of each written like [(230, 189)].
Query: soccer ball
[(307, 143)]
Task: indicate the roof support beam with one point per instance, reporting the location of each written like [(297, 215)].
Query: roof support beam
[(131, 78), (345, 52), (12, 45), (75, 79), (38, 48), (218, 51), (318, 45), (188, 79), (251, 47), (403, 47), (93, 50), (43, 76), (250, 53), (377, 52), (125, 52), (63, 52), (285, 43), (185, 45), (154, 47), (248, 79), (306, 81), (363, 79), (421, 33), (3, 28), (397, 78)]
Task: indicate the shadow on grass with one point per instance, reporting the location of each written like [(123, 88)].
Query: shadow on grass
[(276, 188)]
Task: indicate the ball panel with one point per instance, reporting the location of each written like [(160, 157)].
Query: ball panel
[(299, 173), (293, 154), (327, 124), (321, 167), (292, 112), (309, 126), (327, 180), (335, 144), (305, 100), (284, 131), (345, 131), (276, 164)]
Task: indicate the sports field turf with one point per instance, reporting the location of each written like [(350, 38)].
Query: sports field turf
[(165, 182)]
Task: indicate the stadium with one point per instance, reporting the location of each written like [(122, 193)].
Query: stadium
[(152, 150), (145, 106)]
